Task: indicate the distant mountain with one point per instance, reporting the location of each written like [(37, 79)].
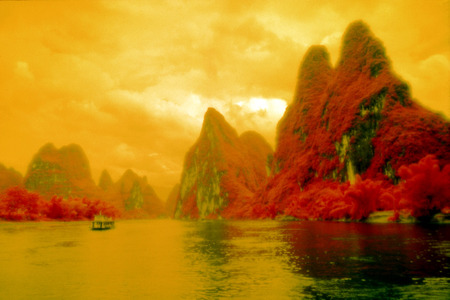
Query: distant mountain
[(105, 182), (221, 170), (9, 178), (351, 123), (64, 172), (136, 198)]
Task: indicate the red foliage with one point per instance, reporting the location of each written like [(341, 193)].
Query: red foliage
[(364, 197), (358, 114), (77, 209), (17, 204), (269, 211), (426, 189), (408, 134), (190, 208)]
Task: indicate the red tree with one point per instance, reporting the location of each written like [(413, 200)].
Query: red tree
[(17, 204), (426, 187)]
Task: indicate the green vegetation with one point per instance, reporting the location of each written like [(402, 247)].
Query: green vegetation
[(355, 148), (136, 199), (390, 173), (301, 133), (375, 68), (45, 176), (402, 93), (269, 161)]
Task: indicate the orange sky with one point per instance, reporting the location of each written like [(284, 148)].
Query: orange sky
[(130, 81)]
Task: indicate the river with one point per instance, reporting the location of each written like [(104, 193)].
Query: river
[(169, 259)]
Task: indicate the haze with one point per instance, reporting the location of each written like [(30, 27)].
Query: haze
[(130, 81)]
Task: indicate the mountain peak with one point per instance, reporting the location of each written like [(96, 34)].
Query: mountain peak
[(105, 181), (129, 175), (362, 51), (47, 148), (357, 29), (216, 127), (220, 169), (315, 61), (213, 114), (314, 74), (71, 148)]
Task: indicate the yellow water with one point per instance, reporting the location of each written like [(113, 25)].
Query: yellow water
[(167, 259)]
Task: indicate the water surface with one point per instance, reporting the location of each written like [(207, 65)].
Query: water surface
[(167, 259)]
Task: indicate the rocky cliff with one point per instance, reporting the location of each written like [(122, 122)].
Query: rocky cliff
[(64, 172), (135, 197), (221, 170), (347, 124)]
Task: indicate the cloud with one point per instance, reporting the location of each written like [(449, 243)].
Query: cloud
[(272, 108), (436, 64), (333, 43), (125, 152), (431, 79), (257, 114)]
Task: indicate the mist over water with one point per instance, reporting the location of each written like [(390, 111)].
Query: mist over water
[(167, 259)]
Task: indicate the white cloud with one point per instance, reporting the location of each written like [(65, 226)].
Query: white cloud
[(274, 108), (258, 114), (437, 65), (332, 39)]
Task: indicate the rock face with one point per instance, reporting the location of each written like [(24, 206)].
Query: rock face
[(221, 170), (9, 178), (64, 172), (171, 201), (357, 119), (136, 198)]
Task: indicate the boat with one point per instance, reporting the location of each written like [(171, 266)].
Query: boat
[(102, 222)]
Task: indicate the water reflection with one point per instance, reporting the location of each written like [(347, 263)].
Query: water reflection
[(240, 260), (207, 253), (388, 252), (316, 259), (372, 259), (164, 259)]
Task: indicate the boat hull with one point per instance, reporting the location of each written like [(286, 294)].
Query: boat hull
[(102, 225), (102, 228)]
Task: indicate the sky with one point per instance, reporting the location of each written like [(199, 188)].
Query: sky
[(130, 81)]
